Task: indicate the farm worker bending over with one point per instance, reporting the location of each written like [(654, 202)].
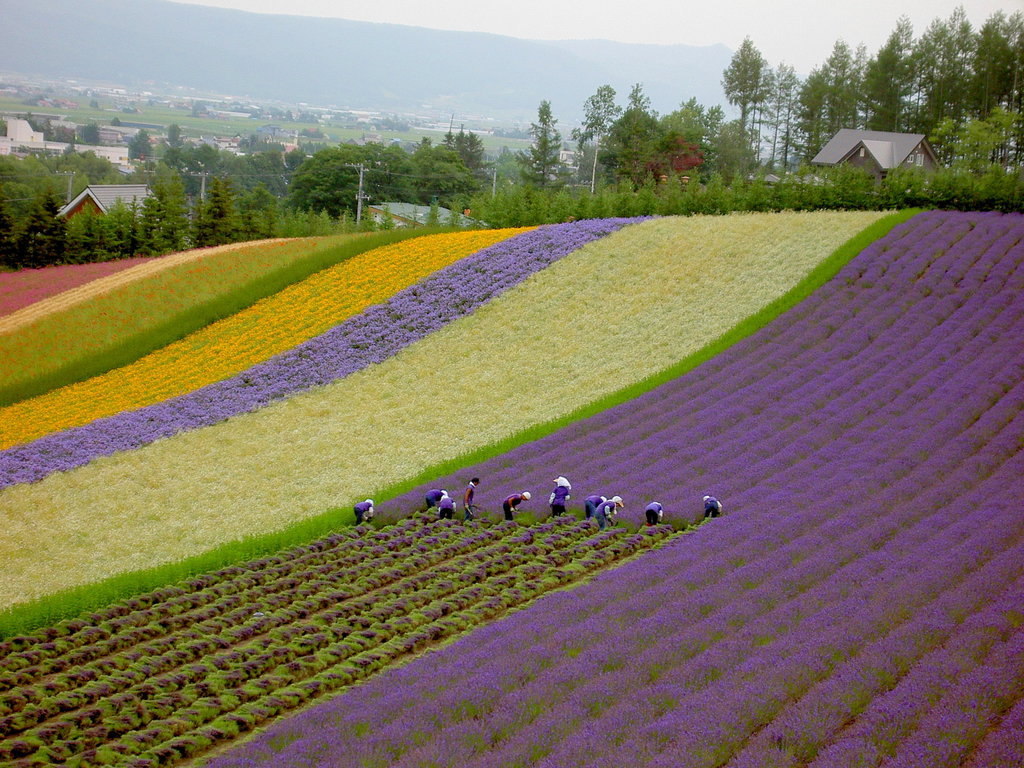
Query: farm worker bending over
[(590, 504), (606, 511), (363, 510), (467, 499), (432, 498), (511, 505), (446, 507), (654, 512), (712, 507), (559, 496)]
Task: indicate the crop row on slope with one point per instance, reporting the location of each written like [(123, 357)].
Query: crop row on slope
[(28, 286), (113, 321), (369, 337), (222, 349), (454, 391), (68, 286), (860, 603), (185, 298), (172, 677)]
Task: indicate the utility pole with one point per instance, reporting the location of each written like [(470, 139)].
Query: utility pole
[(71, 182), (360, 195)]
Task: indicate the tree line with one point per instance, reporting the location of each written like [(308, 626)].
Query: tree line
[(961, 87)]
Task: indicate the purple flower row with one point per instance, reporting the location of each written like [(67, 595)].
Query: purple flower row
[(867, 448), (370, 337)]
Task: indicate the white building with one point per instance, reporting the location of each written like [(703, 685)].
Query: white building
[(21, 137)]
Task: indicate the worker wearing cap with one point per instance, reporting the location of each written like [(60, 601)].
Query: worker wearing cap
[(511, 504), (432, 498), (363, 510), (590, 504), (559, 496), (712, 507), (654, 512), (446, 507), (606, 511)]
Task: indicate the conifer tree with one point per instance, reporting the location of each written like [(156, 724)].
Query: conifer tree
[(540, 166), (43, 239), (216, 221)]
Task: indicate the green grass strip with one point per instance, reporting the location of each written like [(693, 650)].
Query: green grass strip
[(70, 603), (192, 318)]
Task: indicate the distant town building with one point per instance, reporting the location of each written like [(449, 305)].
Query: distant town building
[(19, 134), (21, 139), (878, 152), (100, 198)]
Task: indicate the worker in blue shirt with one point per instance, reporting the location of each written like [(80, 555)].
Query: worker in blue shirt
[(654, 512), (712, 507), (590, 504), (511, 503), (446, 507), (467, 499), (364, 511), (606, 511), (559, 496), (432, 498)]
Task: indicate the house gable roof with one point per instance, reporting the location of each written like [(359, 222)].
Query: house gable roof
[(105, 196), (888, 149)]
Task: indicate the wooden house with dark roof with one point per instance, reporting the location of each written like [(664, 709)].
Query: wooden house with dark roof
[(878, 152), (100, 198)]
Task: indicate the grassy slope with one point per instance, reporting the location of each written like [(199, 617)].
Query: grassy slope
[(42, 357), (233, 344), (75, 599)]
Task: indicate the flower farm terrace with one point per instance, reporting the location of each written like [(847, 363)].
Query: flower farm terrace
[(168, 674), (58, 339), (236, 343), (860, 603), (434, 400)]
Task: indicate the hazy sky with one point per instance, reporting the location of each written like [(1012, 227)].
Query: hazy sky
[(797, 32)]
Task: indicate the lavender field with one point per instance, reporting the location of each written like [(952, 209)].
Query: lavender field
[(861, 602)]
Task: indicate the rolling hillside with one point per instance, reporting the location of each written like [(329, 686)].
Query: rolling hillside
[(301, 59), (384, 423), (859, 603)]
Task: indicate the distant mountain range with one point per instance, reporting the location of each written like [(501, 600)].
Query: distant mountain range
[(334, 62)]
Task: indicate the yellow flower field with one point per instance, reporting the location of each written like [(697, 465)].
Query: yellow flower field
[(235, 343), (603, 317)]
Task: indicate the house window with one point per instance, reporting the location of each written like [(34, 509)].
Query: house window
[(862, 152), (918, 158)]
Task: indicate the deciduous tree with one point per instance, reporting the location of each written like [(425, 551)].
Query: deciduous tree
[(745, 82), (632, 140), (599, 113)]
